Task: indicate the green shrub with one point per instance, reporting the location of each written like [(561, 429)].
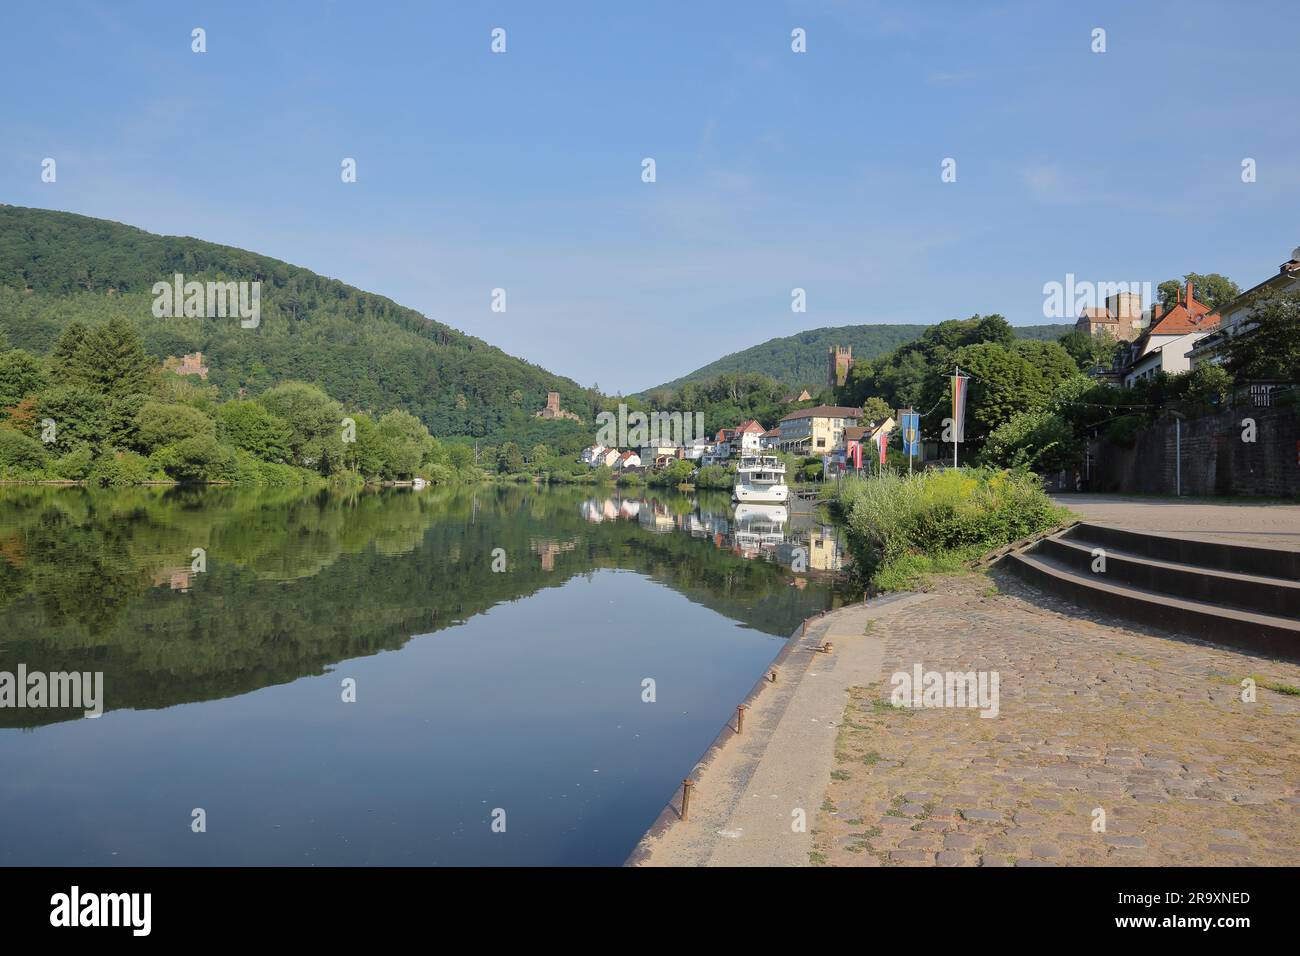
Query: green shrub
[(123, 468), (715, 476), (20, 453), (75, 465), (892, 521), (279, 474)]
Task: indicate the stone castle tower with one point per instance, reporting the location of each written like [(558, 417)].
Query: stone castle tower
[(839, 361)]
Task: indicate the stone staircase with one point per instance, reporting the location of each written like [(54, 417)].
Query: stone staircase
[(1213, 590)]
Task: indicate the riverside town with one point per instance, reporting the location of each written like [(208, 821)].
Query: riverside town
[(616, 442)]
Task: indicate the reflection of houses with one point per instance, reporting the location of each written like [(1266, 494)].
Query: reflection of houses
[(654, 516), (553, 409), (769, 532), (824, 552), (548, 548)]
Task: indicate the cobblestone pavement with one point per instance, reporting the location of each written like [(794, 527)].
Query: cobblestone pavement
[(1150, 729), (1240, 522)]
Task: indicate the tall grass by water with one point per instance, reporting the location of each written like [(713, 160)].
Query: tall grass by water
[(902, 527)]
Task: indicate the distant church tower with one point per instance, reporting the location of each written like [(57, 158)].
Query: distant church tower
[(839, 361)]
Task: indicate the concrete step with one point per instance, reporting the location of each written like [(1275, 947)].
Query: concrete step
[(1261, 633), (1200, 552), (1247, 592)]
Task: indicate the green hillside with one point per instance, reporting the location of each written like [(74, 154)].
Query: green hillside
[(801, 359), (363, 349)]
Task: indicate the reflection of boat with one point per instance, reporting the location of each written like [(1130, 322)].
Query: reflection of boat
[(775, 514), (759, 527), (761, 478), (418, 484)]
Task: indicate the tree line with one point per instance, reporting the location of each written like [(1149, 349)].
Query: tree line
[(98, 408)]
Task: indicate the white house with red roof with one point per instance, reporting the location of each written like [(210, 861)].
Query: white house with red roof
[(628, 459), (1163, 347), (750, 435)]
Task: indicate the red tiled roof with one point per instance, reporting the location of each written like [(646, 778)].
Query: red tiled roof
[(750, 426), (825, 411), (1184, 318)]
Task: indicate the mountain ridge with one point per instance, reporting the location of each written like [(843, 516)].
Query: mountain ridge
[(801, 358), (362, 348)]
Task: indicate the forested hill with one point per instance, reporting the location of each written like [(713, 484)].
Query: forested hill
[(801, 359), (363, 349)]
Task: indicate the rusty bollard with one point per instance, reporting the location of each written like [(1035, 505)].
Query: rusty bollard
[(772, 676), (740, 718), (805, 628), (826, 648), (686, 796)]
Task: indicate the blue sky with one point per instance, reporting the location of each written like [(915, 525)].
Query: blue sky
[(775, 170)]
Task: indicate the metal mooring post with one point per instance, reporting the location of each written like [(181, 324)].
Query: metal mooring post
[(686, 796), (740, 719)]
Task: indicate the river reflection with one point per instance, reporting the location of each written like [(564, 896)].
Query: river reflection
[(498, 640), (791, 536)]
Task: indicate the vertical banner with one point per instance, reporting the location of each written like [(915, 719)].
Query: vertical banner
[(958, 406), (911, 425), (884, 444), (855, 454)]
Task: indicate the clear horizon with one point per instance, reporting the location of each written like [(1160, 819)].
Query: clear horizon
[(774, 170)]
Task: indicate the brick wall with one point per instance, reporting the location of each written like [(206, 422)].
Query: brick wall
[(1215, 458)]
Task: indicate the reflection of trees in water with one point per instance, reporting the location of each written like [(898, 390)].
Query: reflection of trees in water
[(297, 581)]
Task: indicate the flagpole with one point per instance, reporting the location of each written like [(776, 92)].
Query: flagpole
[(956, 376)]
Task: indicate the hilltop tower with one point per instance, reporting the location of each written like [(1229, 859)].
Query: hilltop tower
[(839, 360)]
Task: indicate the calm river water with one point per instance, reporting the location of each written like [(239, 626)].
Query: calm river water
[(513, 695)]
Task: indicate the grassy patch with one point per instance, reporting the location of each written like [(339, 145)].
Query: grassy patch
[(902, 528), (1276, 687)]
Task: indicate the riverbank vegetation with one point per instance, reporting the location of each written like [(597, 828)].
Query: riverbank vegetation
[(99, 410), (901, 528)]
